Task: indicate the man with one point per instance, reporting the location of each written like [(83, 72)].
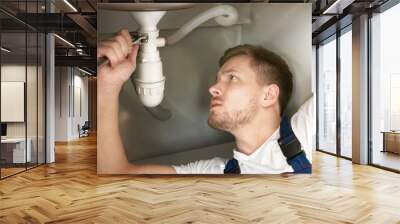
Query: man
[(251, 92)]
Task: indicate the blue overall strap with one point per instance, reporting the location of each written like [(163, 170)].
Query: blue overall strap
[(232, 167), (291, 148)]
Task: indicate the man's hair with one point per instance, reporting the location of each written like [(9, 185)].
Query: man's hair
[(269, 67)]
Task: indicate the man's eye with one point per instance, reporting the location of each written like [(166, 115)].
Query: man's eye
[(232, 77)]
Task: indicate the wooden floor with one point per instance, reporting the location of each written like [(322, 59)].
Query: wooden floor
[(69, 191), (5, 172), (8, 171)]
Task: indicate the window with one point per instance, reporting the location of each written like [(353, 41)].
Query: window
[(394, 118), (385, 88), (346, 93), (327, 96), (22, 69)]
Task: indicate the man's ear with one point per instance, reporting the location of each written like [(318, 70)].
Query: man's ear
[(270, 95)]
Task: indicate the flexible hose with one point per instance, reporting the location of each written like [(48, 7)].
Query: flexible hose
[(225, 15)]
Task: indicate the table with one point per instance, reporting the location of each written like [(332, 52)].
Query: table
[(391, 141), (16, 147)]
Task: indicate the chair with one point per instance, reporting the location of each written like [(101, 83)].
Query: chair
[(84, 130)]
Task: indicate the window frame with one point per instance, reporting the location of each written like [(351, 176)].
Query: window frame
[(336, 36)]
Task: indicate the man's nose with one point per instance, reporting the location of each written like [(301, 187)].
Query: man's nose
[(215, 90)]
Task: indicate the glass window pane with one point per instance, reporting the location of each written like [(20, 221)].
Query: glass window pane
[(14, 150), (327, 97), (31, 97), (346, 94), (386, 89), (23, 86)]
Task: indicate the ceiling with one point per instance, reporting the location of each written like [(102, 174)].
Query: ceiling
[(72, 20), (330, 16), (77, 24)]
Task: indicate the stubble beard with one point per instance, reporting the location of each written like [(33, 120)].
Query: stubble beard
[(233, 120)]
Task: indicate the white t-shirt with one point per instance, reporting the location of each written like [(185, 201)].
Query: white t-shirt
[(268, 158)]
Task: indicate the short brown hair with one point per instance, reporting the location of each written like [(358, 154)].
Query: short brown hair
[(270, 67)]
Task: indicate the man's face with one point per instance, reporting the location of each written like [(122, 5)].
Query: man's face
[(235, 96)]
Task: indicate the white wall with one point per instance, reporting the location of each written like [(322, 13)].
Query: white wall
[(70, 84), (12, 73), (61, 103), (33, 126)]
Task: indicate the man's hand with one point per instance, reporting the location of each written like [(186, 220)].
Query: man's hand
[(111, 158), (121, 54)]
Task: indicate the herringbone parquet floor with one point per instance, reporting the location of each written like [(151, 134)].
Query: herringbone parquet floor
[(69, 191)]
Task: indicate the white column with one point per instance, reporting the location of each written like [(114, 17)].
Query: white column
[(50, 94)]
